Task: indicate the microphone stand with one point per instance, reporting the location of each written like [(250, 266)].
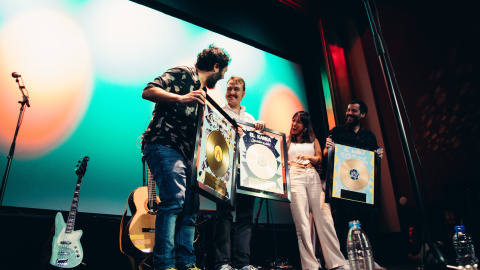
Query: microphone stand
[(406, 149), (24, 102)]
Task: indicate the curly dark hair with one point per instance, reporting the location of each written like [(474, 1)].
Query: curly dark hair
[(208, 57)]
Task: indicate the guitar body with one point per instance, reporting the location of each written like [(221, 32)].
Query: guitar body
[(137, 237), (66, 248), (141, 228)]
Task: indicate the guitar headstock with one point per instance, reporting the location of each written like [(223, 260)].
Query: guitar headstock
[(82, 166)]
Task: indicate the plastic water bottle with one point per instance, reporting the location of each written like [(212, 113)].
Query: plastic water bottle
[(464, 248), (359, 250)]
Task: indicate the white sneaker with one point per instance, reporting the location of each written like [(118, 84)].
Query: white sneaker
[(248, 267), (225, 267)]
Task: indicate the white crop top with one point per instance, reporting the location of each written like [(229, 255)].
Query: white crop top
[(296, 149)]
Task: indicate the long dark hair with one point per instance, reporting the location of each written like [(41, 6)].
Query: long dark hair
[(308, 136)]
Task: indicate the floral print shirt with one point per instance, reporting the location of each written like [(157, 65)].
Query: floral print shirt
[(174, 124)]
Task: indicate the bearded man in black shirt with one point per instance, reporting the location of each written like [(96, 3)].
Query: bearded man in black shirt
[(354, 135)]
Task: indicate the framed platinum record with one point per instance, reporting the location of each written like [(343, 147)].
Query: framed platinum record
[(214, 163), (262, 173)]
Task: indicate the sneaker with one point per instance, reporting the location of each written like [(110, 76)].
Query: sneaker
[(225, 267), (248, 267)]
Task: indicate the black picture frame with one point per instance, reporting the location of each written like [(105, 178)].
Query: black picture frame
[(266, 140), (207, 176), (338, 192)]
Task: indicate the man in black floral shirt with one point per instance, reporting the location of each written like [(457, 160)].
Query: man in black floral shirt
[(168, 147), (352, 134)]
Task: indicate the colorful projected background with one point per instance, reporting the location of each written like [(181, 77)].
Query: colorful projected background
[(84, 64)]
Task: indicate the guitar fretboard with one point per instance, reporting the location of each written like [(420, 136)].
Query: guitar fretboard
[(82, 168), (152, 192), (73, 209)]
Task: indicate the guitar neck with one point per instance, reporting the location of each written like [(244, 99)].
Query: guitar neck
[(152, 192), (73, 209)]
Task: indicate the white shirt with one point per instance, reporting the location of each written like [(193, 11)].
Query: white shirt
[(242, 116), (296, 149)]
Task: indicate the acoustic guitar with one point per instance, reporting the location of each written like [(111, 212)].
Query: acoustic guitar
[(138, 236), (67, 251)]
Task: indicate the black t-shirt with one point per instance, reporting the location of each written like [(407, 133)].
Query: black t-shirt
[(345, 135)]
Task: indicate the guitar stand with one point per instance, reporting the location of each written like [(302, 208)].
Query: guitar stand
[(144, 262)]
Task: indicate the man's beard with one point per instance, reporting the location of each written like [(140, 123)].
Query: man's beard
[(354, 122), (213, 79)]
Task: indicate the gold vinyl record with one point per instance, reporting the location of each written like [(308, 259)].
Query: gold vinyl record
[(218, 156), (261, 161), (354, 174)]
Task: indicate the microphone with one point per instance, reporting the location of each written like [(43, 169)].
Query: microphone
[(25, 97)]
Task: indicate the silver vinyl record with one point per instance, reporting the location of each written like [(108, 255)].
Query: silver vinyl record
[(261, 161)]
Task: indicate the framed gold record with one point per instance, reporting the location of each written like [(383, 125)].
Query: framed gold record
[(214, 167), (261, 171), (351, 175), (217, 153)]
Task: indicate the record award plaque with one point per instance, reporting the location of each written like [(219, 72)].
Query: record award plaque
[(261, 158), (215, 158), (352, 175)]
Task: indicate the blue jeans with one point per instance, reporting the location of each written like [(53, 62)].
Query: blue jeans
[(177, 211)]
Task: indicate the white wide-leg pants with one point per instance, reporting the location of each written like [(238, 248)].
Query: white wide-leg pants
[(308, 197)]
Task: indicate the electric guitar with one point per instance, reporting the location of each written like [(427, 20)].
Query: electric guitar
[(66, 249), (140, 230)]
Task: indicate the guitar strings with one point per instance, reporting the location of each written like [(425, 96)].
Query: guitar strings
[(63, 251)]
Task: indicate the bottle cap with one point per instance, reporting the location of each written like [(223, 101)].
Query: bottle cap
[(354, 224), (459, 228)]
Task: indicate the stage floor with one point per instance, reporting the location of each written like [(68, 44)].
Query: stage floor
[(26, 237)]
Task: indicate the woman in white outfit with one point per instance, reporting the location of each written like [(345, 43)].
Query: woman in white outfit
[(304, 152)]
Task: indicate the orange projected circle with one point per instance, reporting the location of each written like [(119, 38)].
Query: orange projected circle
[(278, 108), (51, 53)]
